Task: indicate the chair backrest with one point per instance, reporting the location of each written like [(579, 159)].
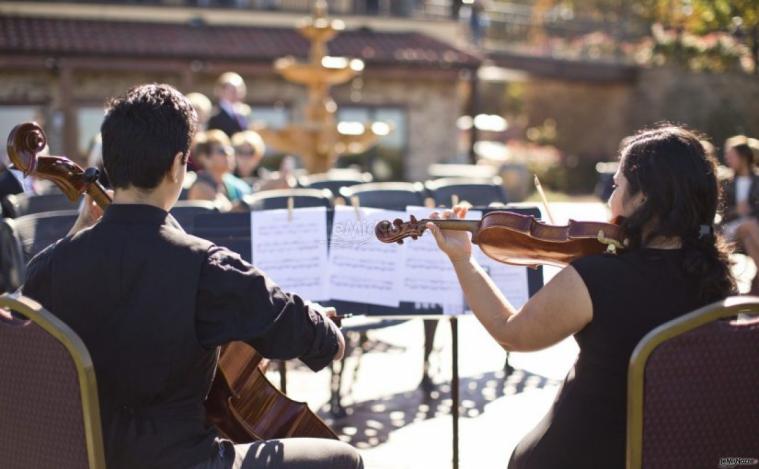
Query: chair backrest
[(185, 211), (387, 195), (693, 389), (39, 230), (12, 265), (230, 230), (48, 392), (26, 204), (334, 181), (479, 192), (275, 199)]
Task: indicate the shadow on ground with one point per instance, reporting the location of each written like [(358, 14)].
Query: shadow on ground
[(368, 424)]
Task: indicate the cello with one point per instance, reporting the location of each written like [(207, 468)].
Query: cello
[(242, 404)]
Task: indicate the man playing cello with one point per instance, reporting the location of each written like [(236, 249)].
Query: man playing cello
[(160, 302)]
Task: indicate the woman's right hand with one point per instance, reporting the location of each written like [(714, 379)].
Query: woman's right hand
[(455, 244)]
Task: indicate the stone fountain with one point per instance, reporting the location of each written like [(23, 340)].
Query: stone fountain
[(318, 140)]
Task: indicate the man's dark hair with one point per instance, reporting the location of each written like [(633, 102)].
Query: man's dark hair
[(142, 131)]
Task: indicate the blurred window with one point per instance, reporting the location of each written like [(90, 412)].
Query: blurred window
[(386, 159), (11, 116), (272, 116), (89, 119)]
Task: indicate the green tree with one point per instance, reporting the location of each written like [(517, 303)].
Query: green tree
[(739, 17)]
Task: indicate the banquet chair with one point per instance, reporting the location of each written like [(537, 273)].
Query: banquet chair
[(39, 230), (278, 199), (12, 265), (480, 192), (693, 385), (48, 394), (27, 204)]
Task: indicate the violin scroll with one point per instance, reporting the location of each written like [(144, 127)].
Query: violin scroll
[(24, 143), (398, 230)]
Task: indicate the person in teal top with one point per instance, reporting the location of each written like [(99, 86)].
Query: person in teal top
[(215, 182)]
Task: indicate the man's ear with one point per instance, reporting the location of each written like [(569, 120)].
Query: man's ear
[(180, 161)]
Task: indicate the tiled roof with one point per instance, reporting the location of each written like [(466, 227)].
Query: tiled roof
[(20, 35)]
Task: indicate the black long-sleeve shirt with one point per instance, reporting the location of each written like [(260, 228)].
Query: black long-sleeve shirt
[(236, 301), (151, 304)]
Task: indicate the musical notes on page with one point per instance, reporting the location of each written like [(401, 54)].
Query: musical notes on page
[(428, 275), (291, 248), (361, 269)]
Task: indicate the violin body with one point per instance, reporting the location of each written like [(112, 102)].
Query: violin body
[(242, 403), (517, 239)]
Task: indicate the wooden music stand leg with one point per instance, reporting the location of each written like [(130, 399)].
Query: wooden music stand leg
[(455, 388), (283, 376)]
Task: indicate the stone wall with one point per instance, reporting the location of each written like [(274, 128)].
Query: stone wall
[(592, 118)]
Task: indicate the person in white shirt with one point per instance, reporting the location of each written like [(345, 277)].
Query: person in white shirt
[(741, 194)]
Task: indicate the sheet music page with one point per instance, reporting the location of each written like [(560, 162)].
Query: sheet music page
[(510, 279), (293, 252), (361, 268), (428, 276)]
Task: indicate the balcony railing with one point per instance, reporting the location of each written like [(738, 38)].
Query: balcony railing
[(426, 9)]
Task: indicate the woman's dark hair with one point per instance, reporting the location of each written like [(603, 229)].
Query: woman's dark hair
[(669, 166), (142, 132)]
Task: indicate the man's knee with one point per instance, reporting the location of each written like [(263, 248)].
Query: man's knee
[(345, 456)]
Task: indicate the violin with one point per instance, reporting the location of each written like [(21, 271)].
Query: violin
[(513, 238), (242, 404)]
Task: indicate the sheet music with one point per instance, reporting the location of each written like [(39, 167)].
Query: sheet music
[(510, 279), (428, 276), (361, 268), (293, 252)]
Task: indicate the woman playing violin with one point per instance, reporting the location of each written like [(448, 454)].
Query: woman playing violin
[(667, 192)]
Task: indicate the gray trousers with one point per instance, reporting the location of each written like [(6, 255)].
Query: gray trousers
[(290, 453)]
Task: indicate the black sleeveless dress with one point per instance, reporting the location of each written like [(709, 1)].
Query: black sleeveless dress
[(632, 293)]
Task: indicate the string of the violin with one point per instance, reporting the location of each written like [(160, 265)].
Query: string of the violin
[(539, 187)]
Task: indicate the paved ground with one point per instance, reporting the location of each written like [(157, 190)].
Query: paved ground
[(396, 425)]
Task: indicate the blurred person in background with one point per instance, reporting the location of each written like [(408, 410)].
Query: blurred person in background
[(215, 181), (231, 115), (741, 197), (203, 108), (249, 151)]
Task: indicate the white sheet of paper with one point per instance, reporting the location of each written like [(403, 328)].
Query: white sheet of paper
[(361, 268), (428, 276), (293, 252), (510, 279)]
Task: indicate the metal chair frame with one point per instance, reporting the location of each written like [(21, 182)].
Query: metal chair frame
[(726, 308), (84, 366)]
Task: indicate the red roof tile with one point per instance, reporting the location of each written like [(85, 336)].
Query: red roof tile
[(75, 37)]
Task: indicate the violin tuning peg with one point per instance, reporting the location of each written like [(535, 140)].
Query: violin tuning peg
[(413, 219), (400, 241)]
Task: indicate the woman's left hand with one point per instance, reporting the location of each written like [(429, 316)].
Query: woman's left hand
[(455, 244)]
